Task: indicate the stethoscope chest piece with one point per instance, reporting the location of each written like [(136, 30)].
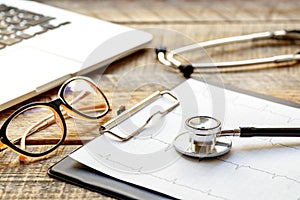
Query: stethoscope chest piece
[(201, 139), (205, 139), (184, 145)]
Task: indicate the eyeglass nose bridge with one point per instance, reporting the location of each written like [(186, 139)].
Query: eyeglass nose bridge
[(56, 102)]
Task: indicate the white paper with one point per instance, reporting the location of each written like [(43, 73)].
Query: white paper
[(256, 168)]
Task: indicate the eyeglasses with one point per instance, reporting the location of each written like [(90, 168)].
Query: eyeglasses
[(44, 123)]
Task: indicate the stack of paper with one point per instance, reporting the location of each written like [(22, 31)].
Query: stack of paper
[(256, 168)]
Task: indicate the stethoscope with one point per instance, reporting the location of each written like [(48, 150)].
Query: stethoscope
[(167, 57), (205, 138)]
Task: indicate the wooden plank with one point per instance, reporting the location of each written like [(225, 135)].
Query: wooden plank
[(196, 21), (275, 81), (29, 180), (180, 11)]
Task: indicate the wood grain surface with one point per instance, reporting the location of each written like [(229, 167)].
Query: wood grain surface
[(129, 80)]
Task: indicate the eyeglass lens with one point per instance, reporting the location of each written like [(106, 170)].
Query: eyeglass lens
[(85, 97), (42, 126)]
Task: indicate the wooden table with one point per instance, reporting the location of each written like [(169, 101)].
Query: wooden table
[(196, 20)]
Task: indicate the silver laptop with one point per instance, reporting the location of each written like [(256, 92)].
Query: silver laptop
[(42, 46)]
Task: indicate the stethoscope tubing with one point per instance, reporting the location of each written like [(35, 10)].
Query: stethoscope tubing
[(262, 132), (168, 59)]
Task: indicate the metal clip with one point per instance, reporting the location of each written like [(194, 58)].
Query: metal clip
[(105, 128)]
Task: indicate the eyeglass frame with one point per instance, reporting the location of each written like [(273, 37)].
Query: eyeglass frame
[(54, 105)]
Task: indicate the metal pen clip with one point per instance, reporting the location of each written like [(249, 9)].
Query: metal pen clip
[(168, 59), (105, 128)]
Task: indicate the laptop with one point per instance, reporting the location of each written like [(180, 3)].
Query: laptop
[(42, 46)]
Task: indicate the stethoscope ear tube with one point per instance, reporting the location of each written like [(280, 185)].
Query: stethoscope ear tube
[(168, 58), (269, 132)]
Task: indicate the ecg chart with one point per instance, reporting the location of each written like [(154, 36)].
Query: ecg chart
[(256, 168)]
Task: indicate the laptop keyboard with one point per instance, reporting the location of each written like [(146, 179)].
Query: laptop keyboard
[(17, 25)]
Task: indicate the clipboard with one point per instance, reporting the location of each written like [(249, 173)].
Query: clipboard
[(115, 192), (73, 172)]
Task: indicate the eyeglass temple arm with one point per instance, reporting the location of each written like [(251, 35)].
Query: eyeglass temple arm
[(82, 95), (169, 60), (48, 121), (29, 131), (105, 128), (42, 124)]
